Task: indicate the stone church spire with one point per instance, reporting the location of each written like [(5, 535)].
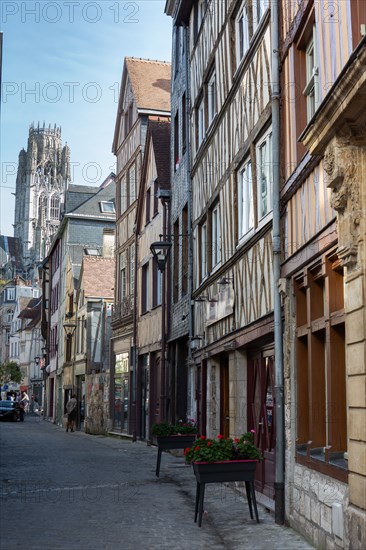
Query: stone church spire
[(42, 178)]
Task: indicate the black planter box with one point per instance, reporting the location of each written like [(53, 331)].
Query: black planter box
[(219, 472), (167, 442)]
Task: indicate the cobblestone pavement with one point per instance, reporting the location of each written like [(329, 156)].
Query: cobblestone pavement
[(71, 490)]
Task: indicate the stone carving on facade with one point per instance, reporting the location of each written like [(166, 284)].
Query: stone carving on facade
[(343, 167)]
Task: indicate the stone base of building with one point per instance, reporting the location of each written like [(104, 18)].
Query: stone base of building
[(317, 509)]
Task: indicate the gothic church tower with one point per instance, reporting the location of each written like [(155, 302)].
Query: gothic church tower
[(42, 179)]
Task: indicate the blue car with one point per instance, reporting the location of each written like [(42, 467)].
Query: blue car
[(10, 410)]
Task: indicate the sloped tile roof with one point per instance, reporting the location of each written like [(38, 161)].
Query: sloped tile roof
[(150, 82), (160, 134), (98, 277), (91, 206)]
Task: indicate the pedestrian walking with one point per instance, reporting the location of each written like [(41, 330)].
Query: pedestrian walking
[(71, 410), (24, 404)]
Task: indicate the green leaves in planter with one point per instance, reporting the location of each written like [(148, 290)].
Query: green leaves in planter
[(180, 428)]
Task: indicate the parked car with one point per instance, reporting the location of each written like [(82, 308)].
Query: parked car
[(10, 410)]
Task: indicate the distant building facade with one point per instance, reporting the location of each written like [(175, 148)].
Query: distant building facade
[(42, 179)]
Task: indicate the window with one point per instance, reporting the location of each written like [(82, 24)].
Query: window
[(176, 142), (177, 49), (123, 194), (246, 22), (156, 198), (176, 269), (184, 128), (215, 236), (211, 98), (258, 7), (107, 207), (264, 175), (200, 114), (245, 200), (132, 268), (157, 285), (311, 88), (122, 275), (131, 182), (9, 315), (42, 210), (198, 15), (55, 208), (184, 250), (242, 32), (320, 360), (203, 250), (145, 299), (147, 206)]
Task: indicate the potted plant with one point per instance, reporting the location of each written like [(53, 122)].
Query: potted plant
[(173, 436), (222, 460)]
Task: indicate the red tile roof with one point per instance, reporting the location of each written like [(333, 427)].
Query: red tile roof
[(150, 81)]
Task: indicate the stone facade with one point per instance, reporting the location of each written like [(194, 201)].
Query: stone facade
[(338, 134), (42, 178)]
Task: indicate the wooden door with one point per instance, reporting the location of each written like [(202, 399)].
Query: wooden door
[(224, 397), (261, 417)]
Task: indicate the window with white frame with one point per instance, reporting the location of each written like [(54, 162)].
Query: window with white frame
[(107, 207), (242, 32), (200, 122), (9, 315), (203, 250), (311, 88), (245, 199), (211, 98), (215, 236), (122, 275), (264, 174), (258, 7), (246, 22), (10, 294), (157, 285)]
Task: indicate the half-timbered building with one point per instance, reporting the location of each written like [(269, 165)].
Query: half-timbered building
[(153, 376), (232, 340), (145, 91), (323, 221)]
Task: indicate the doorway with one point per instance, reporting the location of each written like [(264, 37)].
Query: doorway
[(261, 417)]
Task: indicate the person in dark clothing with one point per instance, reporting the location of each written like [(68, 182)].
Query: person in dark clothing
[(71, 409)]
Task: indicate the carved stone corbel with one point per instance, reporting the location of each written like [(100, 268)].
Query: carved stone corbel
[(344, 165)]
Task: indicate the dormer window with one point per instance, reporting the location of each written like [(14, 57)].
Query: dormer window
[(107, 207)]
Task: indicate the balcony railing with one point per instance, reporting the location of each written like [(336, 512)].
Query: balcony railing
[(123, 309)]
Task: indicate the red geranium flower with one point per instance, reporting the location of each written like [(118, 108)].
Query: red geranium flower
[(220, 436), (203, 437)]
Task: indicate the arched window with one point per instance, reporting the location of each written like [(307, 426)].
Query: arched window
[(42, 209), (55, 207)]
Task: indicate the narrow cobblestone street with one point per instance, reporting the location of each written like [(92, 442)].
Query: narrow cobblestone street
[(61, 490)]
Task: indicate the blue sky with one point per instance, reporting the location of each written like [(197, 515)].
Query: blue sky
[(62, 63)]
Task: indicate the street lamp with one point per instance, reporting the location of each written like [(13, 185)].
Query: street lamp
[(69, 329), (160, 250)]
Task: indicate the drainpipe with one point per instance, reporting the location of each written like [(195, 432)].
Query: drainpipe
[(279, 484)]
